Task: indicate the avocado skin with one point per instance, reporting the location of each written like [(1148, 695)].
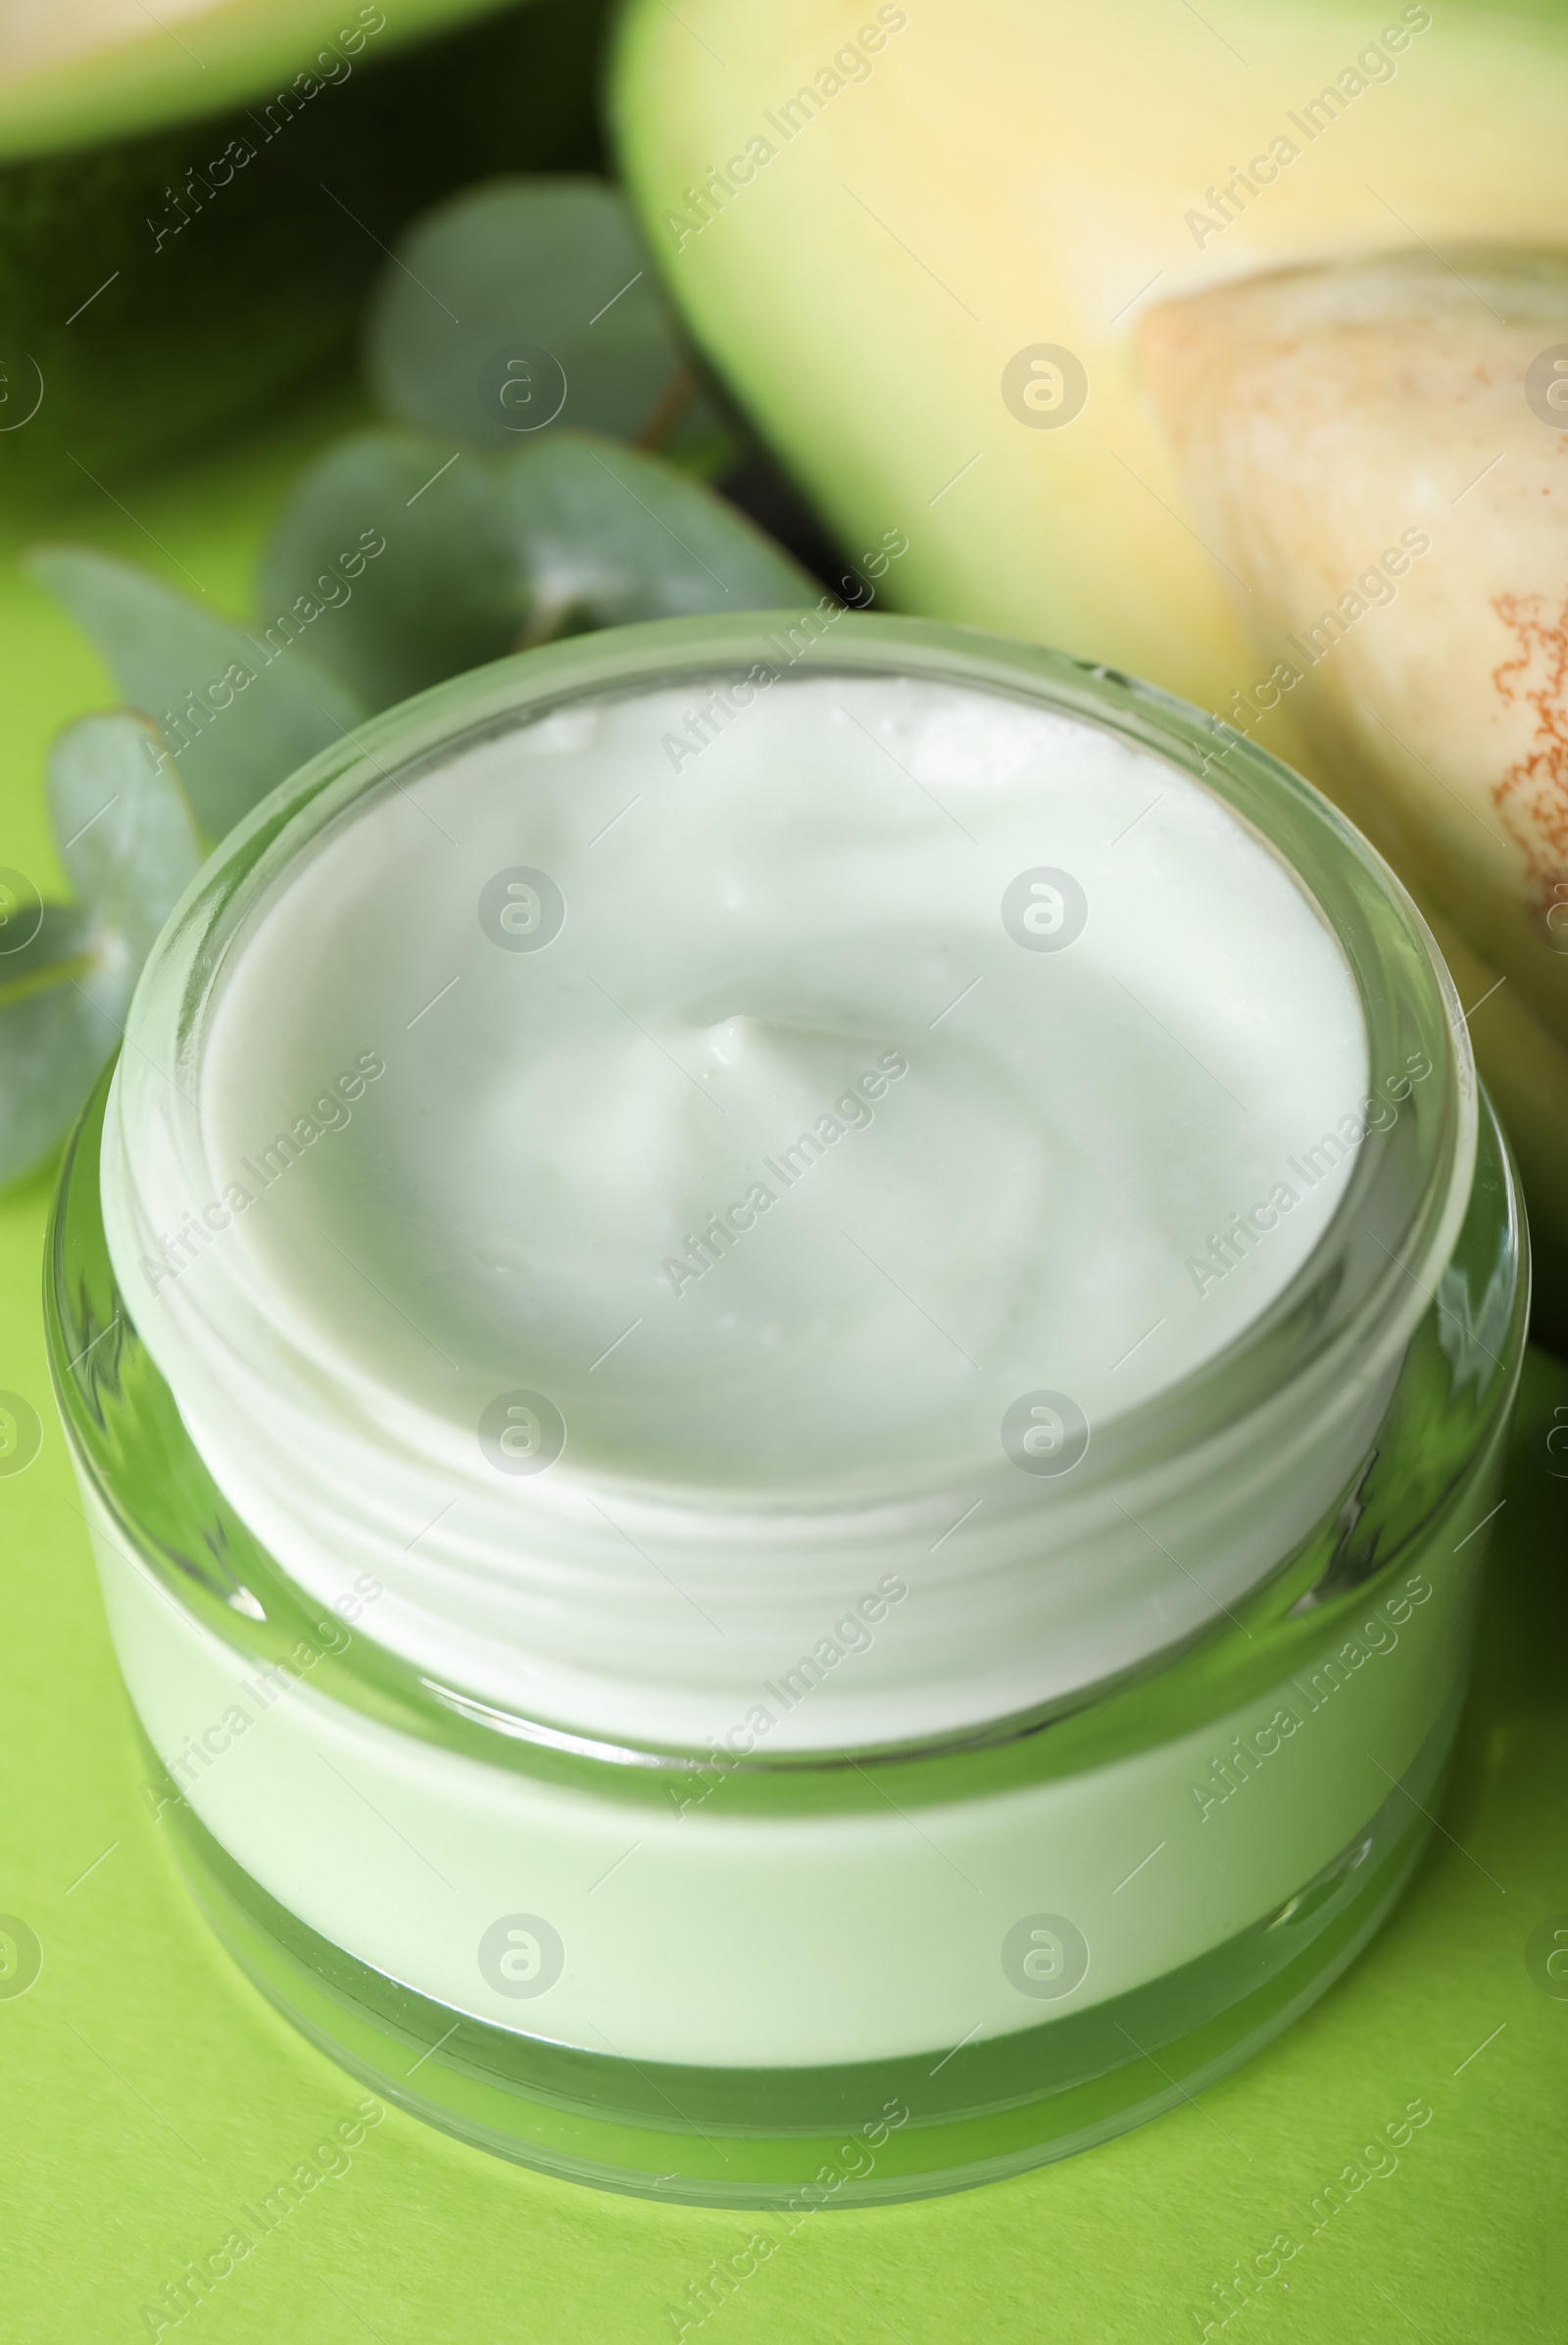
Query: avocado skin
[(260, 288)]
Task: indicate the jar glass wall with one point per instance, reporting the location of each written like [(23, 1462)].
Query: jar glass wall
[(1157, 1771)]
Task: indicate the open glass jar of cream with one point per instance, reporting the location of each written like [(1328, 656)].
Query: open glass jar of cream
[(788, 1341)]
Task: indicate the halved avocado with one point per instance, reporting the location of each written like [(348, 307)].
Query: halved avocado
[(948, 256), (882, 220), (192, 202)]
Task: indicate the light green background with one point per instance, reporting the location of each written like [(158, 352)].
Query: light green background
[(148, 2091)]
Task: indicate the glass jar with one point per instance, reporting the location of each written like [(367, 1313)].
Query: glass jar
[(771, 1973)]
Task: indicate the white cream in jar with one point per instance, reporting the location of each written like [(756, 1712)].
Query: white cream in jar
[(780, 1130), (812, 1338)]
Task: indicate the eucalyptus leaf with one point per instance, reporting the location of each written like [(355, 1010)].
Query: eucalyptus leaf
[(519, 304), (488, 554), (238, 711), (125, 833), (60, 1017), (445, 595), (128, 842), (605, 536)]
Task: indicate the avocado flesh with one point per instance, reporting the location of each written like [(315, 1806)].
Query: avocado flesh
[(1358, 448), (1012, 172), (169, 266), (1008, 174), (35, 37)]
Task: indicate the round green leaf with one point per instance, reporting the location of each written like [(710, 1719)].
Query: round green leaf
[(240, 711), (443, 597), (130, 845), (487, 555), (126, 834), (605, 536), (61, 1013), (522, 306)]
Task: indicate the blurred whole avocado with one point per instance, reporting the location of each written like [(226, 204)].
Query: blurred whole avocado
[(1166, 335), (191, 205)]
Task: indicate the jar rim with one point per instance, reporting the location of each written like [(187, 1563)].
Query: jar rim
[(1407, 996), (1368, 1278)]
